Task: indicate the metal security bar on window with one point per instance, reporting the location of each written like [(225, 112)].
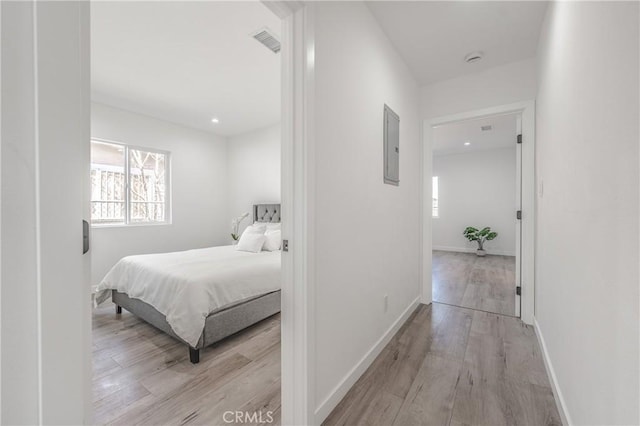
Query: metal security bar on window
[(435, 204), (128, 185), (107, 201)]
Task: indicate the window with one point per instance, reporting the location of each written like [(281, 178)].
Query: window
[(434, 191), (128, 185)]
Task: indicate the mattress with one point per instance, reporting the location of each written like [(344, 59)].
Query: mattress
[(187, 286)]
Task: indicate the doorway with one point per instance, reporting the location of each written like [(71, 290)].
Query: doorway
[(475, 226), (526, 147), (178, 153), (145, 388)]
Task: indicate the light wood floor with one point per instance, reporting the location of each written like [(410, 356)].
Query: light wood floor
[(446, 366), (453, 366), (483, 283), (143, 376)]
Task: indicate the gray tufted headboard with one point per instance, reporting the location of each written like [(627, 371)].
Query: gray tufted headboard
[(266, 213)]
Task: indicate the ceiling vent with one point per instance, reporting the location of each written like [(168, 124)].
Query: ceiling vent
[(473, 57), (486, 128), (268, 38)]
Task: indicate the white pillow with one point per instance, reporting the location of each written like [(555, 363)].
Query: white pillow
[(274, 226), (273, 240), (251, 242), (256, 228)]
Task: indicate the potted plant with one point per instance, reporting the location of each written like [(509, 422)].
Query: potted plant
[(480, 236), (235, 225)]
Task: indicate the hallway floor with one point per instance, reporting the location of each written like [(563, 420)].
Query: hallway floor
[(446, 366), (482, 283), (453, 366)]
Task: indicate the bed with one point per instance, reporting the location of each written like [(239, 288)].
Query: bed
[(199, 296)]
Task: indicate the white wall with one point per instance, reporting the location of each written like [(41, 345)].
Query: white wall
[(501, 85), (367, 234), (477, 189), (587, 246), (198, 189), (253, 164)]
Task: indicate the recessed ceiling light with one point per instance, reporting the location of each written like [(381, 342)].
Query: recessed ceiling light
[(473, 57), (214, 120), (467, 143)]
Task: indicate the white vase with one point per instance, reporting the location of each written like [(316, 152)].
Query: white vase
[(481, 252)]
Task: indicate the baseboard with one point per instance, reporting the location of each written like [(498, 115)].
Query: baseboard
[(555, 387), (472, 250), (336, 395)]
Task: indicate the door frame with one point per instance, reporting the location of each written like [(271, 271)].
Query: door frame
[(298, 195), (46, 360), (518, 206), (526, 109)]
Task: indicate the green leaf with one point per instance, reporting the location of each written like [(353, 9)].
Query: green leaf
[(473, 234), (470, 233)]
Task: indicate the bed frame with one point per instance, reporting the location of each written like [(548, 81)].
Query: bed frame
[(221, 323)]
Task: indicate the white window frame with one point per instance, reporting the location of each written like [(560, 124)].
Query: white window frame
[(435, 200), (127, 193)]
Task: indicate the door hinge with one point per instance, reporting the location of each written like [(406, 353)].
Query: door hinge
[(519, 291), (519, 139), (285, 245), (519, 214)]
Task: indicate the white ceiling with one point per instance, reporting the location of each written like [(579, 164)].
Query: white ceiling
[(433, 37), (450, 138), (187, 62)]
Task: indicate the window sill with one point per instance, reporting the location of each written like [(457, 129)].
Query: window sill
[(128, 225)]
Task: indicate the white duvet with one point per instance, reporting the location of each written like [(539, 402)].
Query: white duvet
[(187, 286)]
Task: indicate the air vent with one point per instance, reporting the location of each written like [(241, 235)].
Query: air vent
[(486, 128), (268, 38)]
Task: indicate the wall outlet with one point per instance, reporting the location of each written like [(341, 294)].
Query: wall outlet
[(386, 303)]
